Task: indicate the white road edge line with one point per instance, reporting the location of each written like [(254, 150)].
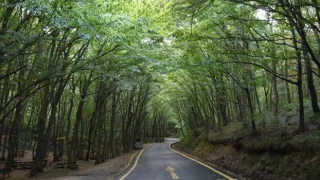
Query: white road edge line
[(135, 164), (211, 168)]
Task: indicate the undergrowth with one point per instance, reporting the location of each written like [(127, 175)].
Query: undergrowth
[(276, 152)]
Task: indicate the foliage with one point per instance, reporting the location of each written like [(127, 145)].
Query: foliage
[(101, 74)]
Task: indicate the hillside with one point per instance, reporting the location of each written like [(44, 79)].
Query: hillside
[(275, 153)]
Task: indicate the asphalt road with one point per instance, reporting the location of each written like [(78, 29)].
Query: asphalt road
[(158, 162)]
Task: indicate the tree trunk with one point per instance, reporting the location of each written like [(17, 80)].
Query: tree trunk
[(68, 129), (300, 96), (91, 130), (41, 129), (14, 136), (74, 149), (253, 123), (94, 118), (287, 83), (112, 120), (275, 92), (69, 118), (312, 89), (75, 136), (15, 126), (5, 144), (299, 79), (43, 138)]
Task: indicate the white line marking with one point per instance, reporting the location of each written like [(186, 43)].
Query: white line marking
[(211, 168), (135, 164)]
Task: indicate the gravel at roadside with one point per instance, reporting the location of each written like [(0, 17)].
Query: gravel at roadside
[(87, 170), (106, 170)]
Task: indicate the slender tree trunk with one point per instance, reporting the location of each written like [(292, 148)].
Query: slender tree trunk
[(241, 101), (287, 83), (253, 123), (81, 145), (69, 119), (68, 129), (43, 140), (257, 97), (27, 130), (1, 135), (94, 119), (74, 143), (91, 131), (300, 96), (14, 135), (312, 89), (75, 149), (101, 123), (5, 144), (275, 92), (5, 92), (41, 129), (299, 80), (54, 142), (266, 92), (112, 121)]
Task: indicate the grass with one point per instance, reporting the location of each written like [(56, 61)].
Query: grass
[(275, 153), (315, 174)]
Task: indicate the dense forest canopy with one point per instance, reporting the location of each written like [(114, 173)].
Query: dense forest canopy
[(87, 78)]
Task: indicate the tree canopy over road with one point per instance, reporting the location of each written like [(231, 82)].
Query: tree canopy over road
[(87, 78)]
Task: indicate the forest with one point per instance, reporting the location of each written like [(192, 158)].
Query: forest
[(85, 79)]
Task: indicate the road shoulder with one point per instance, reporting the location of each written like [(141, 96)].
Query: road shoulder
[(131, 164), (202, 161)]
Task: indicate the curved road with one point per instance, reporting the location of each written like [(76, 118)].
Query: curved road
[(159, 162)]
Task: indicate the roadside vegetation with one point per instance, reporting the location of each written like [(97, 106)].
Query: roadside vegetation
[(86, 80), (77, 79), (246, 90)]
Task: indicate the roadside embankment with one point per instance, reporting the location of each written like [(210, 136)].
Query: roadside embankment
[(267, 155)]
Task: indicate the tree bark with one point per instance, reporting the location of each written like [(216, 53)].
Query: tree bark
[(275, 92), (41, 129), (287, 83), (310, 81), (253, 123)]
